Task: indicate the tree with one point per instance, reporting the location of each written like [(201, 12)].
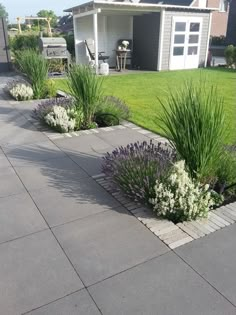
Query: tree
[(3, 12), (47, 13)]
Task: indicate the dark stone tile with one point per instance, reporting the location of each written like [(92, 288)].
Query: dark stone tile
[(18, 217), (69, 199), (105, 244), (34, 271), (162, 286), (79, 303), (214, 257)]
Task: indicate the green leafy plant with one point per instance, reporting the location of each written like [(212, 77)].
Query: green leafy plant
[(35, 67), (86, 89), (50, 89), (111, 111), (230, 55), (22, 42), (193, 121)]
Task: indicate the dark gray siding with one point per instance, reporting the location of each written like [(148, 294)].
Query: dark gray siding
[(168, 29), (4, 52), (146, 30)]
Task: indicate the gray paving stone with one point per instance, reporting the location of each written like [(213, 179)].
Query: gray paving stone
[(105, 244), (3, 161), (229, 213), (32, 154), (83, 144), (79, 303), (19, 217), (220, 213), (122, 137), (10, 184), (214, 258), (50, 173), (69, 200), (162, 286), (34, 271)]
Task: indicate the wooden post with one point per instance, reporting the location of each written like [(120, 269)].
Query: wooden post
[(95, 34)]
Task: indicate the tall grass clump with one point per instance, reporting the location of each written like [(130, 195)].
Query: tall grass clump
[(193, 121), (86, 88), (35, 67)]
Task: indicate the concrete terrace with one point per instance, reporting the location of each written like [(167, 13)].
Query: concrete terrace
[(68, 247)]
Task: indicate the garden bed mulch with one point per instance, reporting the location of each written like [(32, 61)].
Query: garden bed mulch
[(173, 235)]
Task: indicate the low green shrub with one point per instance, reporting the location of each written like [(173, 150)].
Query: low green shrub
[(180, 198), (35, 67), (56, 65), (193, 121), (50, 89), (86, 89), (230, 55), (136, 167), (22, 42), (70, 44), (111, 111)]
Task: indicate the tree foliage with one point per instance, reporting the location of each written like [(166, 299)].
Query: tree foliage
[(3, 12), (48, 14)]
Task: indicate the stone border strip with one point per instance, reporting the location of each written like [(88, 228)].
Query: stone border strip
[(173, 235)]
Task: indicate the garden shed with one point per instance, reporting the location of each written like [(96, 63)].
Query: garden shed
[(163, 36)]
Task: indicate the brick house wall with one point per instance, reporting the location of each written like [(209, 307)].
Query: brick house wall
[(219, 19)]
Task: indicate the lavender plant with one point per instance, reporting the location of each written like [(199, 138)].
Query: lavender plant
[(136, 167)]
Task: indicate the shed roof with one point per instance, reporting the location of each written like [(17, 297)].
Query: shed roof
[(136, 5), (170, 2)]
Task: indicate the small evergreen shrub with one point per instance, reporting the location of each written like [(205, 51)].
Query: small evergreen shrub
[(111, 111), (136, 167), (230, 55)]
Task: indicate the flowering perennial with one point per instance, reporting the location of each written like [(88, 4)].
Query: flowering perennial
[(180, 198), (21, 91), (61, 119)]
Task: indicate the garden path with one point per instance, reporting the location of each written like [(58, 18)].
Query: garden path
[(67, 247)]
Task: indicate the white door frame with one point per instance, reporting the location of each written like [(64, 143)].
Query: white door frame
[(182, 62)]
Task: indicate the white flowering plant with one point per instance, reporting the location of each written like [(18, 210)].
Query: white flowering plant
[(180, 198), (125, 44), (21, 91), (61, 119)]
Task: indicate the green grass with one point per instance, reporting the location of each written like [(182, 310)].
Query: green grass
[(141, 92)]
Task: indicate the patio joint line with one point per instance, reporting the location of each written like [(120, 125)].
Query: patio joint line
[(213, 287), (34, 309)]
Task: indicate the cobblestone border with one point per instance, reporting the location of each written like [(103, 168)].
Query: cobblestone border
[(173, 235)]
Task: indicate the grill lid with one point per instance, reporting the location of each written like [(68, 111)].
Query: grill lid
[(45, 42)]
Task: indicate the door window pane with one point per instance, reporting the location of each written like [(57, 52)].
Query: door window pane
[(178, 51), (192, 50), (193, 39), (194, 27), (179, 39), (180, 26)]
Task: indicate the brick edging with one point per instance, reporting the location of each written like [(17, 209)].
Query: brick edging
[(173, 235)]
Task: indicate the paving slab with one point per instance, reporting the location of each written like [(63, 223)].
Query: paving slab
[(32, 154), (79, 303), (10, 184), (162, 286), (83, 144), (106, 244), (70, 200), (214, 257), (123, 137), (34, 271), (19, 217), (50, 173)]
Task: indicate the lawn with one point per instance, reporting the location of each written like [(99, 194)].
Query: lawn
[(141, 92)]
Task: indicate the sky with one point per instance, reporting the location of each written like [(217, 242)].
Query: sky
[(31, 7)]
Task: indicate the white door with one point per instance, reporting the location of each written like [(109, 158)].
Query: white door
[(185, 43)]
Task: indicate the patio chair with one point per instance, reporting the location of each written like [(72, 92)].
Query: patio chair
[(130, 48), (89, 44)]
